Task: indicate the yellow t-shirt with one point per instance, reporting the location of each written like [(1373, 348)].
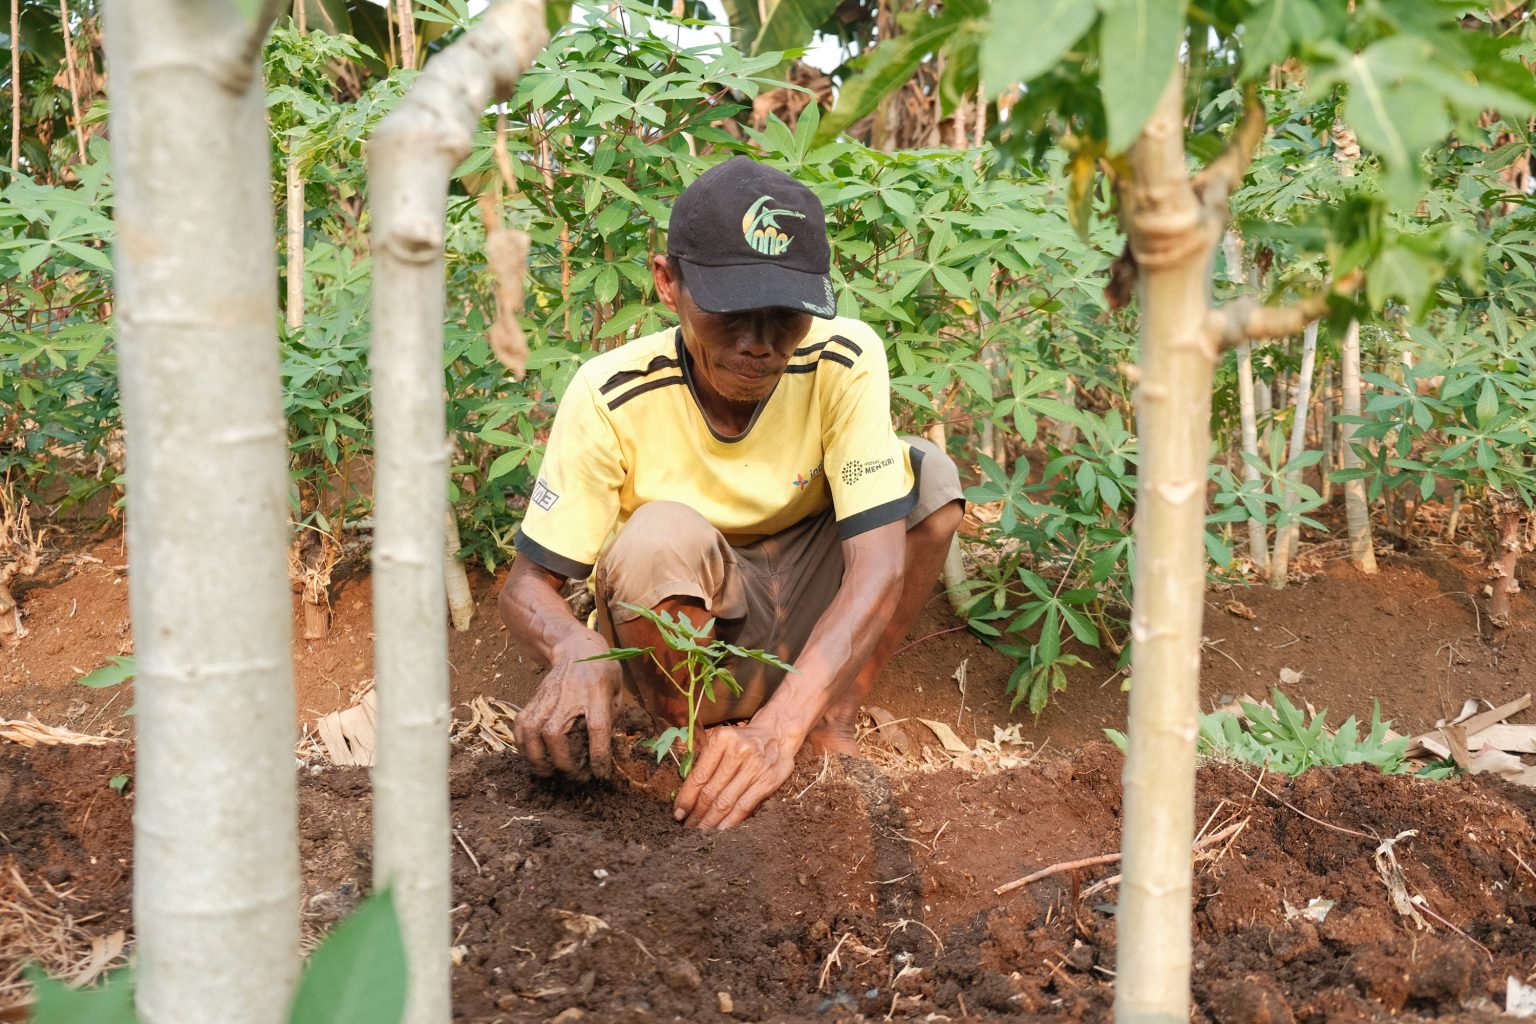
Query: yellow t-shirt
[(629, 431)]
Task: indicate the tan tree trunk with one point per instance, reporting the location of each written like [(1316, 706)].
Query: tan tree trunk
[(215, 850), (16, 84), (1515, 527), (1357, 510), (412, 155), (405, 21), (73, 77)]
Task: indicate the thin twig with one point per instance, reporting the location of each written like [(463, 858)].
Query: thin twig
[(1107, 858), (469, 853), (831, 959)]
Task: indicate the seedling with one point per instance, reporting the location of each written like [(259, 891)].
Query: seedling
[(700, 671)]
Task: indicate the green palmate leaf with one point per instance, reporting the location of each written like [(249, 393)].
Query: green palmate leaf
[(1028, 37), (358, 975), (109, 1003), (1138, 51)]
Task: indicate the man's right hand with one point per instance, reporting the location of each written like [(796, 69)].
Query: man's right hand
[(572, 690)]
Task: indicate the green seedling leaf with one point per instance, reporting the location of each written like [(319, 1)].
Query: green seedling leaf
[(120, 782), (109, 1003), (119, 671), (662, 745), (358, 975)]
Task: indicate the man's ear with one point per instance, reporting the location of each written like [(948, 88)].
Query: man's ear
[(668, 281)]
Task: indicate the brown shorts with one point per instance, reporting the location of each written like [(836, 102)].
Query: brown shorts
[(766, 595)]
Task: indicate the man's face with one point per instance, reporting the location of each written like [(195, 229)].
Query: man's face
[(736, 356)]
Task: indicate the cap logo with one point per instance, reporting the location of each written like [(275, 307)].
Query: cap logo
[(760, 227)]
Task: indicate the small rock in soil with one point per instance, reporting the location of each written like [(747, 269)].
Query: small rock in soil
[(569, 1016), (726, 1005), (682, 976)]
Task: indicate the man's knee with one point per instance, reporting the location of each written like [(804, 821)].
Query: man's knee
[(940, 497), (665, 550)]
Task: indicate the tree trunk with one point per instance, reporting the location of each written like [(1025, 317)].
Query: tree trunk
[(1325, 435), (16, 85), (216, 874), (1357, 511), (405, 21), (1258, 538), (1287, 536), (293, 204), (412, 155), (461, 603), (1173, 245), (1514, 537), (73, 77)]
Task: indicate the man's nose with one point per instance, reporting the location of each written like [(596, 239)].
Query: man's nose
[(756, 336)]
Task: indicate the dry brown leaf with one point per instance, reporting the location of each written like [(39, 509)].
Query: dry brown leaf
[(29, 732), (947, 738), (1241, 610)]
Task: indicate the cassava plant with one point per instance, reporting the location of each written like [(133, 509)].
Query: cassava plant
[(696, 675)]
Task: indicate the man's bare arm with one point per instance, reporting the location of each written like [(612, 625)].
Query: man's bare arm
[(740, 767), (544, 626)]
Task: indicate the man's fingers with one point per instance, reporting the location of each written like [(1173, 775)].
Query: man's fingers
[(717, 804), (703, 769), (559, 751), (600, 739), (526, 731)]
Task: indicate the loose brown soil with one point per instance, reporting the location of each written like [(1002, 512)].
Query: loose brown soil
[(864, 891)]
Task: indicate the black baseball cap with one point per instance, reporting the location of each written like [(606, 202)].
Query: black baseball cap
[(745, 236)]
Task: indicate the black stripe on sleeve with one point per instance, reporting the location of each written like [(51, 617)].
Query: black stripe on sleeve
[(800, 368), (847, 344), (838, 357), (625, 376), (643, 388), (891, 511), (555, 563)]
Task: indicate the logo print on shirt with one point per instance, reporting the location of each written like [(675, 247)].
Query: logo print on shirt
[(760, 227), (854, 469), (543, 496), (802, 481)]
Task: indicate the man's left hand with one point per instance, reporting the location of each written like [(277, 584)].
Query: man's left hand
[(739, 767)]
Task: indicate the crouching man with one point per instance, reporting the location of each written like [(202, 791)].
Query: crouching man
[(748, 461)]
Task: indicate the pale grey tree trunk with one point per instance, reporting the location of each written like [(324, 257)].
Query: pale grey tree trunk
[(216, 881), (1258, 538), (412, 155), (1357, 511), (293, 207), (1173, 226), (1287, 537), (1325, 434), (461, 602), (1163, 216)]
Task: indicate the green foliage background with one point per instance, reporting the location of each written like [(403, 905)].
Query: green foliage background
[(984, 270)]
